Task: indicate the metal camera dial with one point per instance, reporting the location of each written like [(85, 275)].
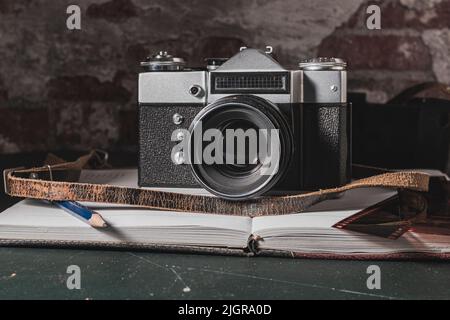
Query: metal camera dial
[(322, 64), (162, 61), (178, 158), (177, 118), (179, 135), (196, 91)]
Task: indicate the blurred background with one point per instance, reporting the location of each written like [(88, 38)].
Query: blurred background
[(66, 89)]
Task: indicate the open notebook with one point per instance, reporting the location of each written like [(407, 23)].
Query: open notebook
[(308, 234)]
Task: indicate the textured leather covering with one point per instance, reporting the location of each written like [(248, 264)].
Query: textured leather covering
[(321, 156), (156, 168), (125, 246), (326, 145)]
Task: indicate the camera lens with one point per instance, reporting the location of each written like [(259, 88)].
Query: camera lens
[(246, 123), (251, 161)]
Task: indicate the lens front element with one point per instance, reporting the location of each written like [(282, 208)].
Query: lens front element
[(239, 146)]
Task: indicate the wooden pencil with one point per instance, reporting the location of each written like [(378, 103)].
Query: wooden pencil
[(79, 211)]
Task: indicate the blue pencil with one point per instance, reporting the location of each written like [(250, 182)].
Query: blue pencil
[(82, 212)]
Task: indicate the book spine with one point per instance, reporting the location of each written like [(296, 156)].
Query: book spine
[(252, 243)]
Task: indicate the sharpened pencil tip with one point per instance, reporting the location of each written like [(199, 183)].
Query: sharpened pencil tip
[(97, 221)]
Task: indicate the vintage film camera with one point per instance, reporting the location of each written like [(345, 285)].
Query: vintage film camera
[(307, 105)]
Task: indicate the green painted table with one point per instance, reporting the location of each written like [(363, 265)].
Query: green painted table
[(41, 274)]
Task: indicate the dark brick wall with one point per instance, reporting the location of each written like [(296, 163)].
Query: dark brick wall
[(62, 89)]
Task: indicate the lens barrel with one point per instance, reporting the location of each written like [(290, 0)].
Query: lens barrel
[(239, 181)]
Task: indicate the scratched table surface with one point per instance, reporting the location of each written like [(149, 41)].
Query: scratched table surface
[(41, 274), (27, 273)]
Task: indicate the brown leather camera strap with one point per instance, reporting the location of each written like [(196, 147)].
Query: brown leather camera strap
[(58, 182)]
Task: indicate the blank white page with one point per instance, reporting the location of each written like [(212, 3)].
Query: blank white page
[(326, 213)]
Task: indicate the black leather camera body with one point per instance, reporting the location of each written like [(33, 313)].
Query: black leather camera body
[(306, 106)]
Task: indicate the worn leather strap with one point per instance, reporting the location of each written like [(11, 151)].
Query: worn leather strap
[(59, 183)]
